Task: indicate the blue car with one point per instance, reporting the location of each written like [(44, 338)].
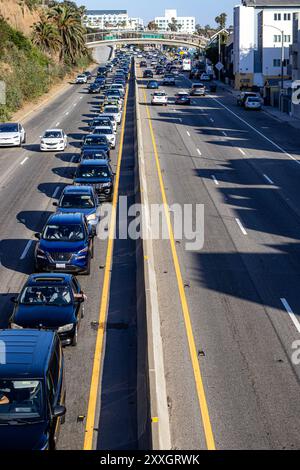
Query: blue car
[(80, 199), (65, 245), (50, 301), (96, 141), (152, 85), (32, 390)]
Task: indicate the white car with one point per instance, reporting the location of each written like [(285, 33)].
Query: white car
[(253, 102), (53, 139), (81, 79), (112, 120), (108, 132), (12, 134), (159, 97), (118, 86), (113, 111)]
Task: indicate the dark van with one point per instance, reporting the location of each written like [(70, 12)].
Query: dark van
[(32, 389)]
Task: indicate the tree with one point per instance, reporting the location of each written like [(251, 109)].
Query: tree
[(221, 20), (46, 37), (152, 26), (173, 26)]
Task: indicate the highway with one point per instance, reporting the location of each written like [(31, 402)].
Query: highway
[(241, 288)]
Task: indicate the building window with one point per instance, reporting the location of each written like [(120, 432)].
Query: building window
[(277, 38), (287, 17), (276, 62), (277, 16), (287, 38)]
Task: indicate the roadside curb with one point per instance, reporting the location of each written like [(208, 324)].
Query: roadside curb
[(159, 415)]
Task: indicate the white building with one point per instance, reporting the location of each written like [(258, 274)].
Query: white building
[(257, 40), (111, 19), (185, 24)]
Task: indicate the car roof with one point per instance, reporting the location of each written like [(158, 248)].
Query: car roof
[(41, 278), (27, 353), (96, 162), (53, 130), (70, 217), (78, 189)]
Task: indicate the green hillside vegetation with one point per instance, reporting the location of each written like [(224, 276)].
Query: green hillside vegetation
[(30, 66)]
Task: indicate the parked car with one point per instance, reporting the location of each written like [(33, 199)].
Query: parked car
[(50, 301), (253, 103), (148, 73), (241, 99), (81, 79), (32, 390), (159, 97), (65, 244), (198, 89), (12, 134), (80, 199), (53, 140), (97, 173), (182, 97)]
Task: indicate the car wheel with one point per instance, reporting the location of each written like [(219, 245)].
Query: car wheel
[(92, 250), (24, 140), (88, 270), (75, 337)]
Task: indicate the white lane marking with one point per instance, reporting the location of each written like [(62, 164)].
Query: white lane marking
[(241, 226), (224, 133), (67, 113), (26, 249), (242, 151), (81, 97), (291, 313), (199, 151), (23, 161), (268, 179), (188, 133), (74, 104), (55, 192), (215, 180), (57, 124), (258, 132)]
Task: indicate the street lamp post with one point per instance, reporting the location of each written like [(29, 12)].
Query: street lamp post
[(282, 57)]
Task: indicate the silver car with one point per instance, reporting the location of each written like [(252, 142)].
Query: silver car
[(12, 134)]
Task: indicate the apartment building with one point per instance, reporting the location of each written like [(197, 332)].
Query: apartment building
[(185, 24), (260, 29), (112, 19)]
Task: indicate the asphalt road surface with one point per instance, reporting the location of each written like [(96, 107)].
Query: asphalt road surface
[(242, 286)]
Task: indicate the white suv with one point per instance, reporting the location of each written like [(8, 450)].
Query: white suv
[(108, 132), (53, 139), (159, 97), (81, 79), (12, 134)]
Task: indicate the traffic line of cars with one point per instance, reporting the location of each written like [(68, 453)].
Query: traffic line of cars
[(49, 309)]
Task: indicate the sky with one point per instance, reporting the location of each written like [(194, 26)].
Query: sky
[(205, 11)]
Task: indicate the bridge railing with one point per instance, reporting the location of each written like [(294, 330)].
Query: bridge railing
[(146, 35)]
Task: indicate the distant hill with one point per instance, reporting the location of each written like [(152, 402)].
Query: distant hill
[(19, 15)]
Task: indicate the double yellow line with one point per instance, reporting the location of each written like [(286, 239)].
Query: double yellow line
[(185, 309), (98, 356)]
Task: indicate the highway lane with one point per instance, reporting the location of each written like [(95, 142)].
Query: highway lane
[(27, 193), (233, 286)]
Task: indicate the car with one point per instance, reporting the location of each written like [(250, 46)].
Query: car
[(169, 80), (101, 121), (96, 141), (108, 132), (198, 89), (53, 139), (52, 302), (80, 199), (119, 87), (99, 174), (205, 77), (112, 118), (195, 73), (159, 70), (182, 97), (143, 63), (88, 75), (148, 73), (241, 99), (94, 154), (94, 88), (159, 97), (12, 134), (81, 79), (152, 85), (102, 70), (32, 390), (113, 110), (65, 244), (112, 101), (253, 103)]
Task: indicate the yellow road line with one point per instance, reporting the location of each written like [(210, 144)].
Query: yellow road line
[(185, 309), (94, 388)]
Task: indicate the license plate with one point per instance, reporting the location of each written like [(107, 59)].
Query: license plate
[(60, 266)]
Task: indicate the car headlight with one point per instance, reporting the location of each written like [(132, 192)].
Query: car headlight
[(91, 217), (82, 252), (65, 328), (61, 141), (14, 326), (40, 253), (106, 185)]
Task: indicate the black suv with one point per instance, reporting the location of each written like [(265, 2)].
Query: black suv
[(96, 173)]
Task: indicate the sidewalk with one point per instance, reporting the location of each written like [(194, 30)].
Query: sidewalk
[(270, 110)]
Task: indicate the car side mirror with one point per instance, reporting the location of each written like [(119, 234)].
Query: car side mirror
[(59, 411), (37, 236)]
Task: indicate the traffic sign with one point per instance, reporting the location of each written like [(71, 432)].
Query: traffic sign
[(219, 66)]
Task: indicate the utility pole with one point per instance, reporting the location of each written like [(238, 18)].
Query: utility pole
[(282, 62), (219, 43)]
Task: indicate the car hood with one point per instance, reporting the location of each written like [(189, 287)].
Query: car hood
[(92, 180), (86, 212), (30, 316), (9, 135), (26, 437), (49, 140), (62, 246)]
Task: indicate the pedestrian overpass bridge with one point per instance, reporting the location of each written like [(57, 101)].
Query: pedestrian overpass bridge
[(145, 37)]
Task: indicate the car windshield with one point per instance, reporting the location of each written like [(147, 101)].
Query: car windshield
[(8, 128), (253, 100), (47, 295), (159, 94), (100, 130), (199, 85), (64, 232), (95, 140), (20, 400), (93, 172), (77, 201), (52, 135), (102, 122), (111, 109)]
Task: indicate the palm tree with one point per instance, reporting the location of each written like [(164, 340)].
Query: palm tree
[(221, 20), (71, 31), (45, 36)]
